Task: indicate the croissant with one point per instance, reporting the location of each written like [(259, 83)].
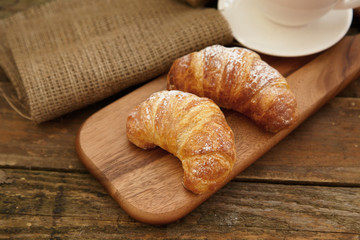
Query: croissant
[(193, 129), (236, 78)]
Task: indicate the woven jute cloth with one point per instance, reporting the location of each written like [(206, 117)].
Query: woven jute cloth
[(67, 54)]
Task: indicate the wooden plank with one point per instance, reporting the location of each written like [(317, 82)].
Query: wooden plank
[(48, 145), (45, 227), (353, 90), (42, 202)]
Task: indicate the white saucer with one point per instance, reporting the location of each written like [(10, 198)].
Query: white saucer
[(255, 31)]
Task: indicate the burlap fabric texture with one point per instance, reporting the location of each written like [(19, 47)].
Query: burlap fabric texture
[(67, 54)]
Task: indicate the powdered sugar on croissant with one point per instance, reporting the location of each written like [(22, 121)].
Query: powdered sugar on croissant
[(237, 78), (193, 129)]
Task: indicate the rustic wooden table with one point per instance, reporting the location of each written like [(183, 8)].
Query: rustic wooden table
[(307, 186)]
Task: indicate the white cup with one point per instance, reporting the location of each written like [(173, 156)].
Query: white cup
[(301, 12)]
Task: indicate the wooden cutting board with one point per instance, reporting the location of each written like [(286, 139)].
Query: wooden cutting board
[(148, 184)]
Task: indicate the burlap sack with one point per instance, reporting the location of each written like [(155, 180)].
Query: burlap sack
[(67, 54)]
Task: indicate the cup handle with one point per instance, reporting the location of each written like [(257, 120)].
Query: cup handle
[(343, 4)]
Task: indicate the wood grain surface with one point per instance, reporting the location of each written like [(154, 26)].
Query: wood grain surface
[(75, 206), (148, 184)]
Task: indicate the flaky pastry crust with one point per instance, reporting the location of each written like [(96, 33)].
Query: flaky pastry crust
[(193, 129), (237, 78)]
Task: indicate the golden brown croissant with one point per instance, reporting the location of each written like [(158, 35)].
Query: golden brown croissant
[(194, 129), (237, 78)]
